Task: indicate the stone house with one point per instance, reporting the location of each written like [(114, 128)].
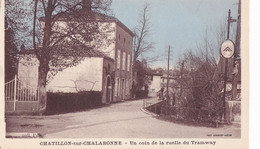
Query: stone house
[(93, 73), (106, 69), (158, 81)]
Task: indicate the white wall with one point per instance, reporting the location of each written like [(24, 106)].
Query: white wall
[(86, 76), (104, 42), (28, 70), (107, 48), (155, 86)]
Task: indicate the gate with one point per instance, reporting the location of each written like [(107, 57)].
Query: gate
[(20, 96)]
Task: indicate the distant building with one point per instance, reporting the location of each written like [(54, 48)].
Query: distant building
[(158, 81), (155, 85)]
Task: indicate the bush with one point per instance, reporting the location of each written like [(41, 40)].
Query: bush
[(141, 93), (70, 102)]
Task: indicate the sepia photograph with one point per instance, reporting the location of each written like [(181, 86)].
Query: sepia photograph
[(125, 73)]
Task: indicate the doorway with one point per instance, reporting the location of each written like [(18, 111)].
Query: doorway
[(108, 89)]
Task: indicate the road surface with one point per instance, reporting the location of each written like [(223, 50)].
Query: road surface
[(118, 120)]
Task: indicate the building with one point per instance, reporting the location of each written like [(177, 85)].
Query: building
[(106, 69), (158, 81), (73, 79), (154, 85)]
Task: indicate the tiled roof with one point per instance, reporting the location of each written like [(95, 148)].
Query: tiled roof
[(98, 16)]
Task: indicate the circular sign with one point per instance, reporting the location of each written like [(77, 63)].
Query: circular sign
[(227, 49)]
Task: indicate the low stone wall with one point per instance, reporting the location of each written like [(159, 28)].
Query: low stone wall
[(21, 106)]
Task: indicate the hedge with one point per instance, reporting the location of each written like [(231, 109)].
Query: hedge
[(70, 102), (141, 93)]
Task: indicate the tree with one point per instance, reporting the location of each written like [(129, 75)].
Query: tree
[(10, 53), (18, 16), (142, 79), (142, 71), (142, 32), (195, 88), (15, 25), (61, 47)]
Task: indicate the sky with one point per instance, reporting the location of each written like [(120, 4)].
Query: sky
[(178, 23)]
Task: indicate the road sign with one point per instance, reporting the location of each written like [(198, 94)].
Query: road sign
[(227, 49)]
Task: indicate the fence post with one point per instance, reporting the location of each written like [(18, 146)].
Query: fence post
[(15, 84)]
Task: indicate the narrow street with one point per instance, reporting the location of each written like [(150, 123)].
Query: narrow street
[(118, 120)]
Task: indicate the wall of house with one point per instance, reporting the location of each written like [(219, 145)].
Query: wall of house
[(123, 63), (164, 81), (104, 42), (108, 40), (108, 68), (86, 76), (116, 39), (155, 86), (28, 70)]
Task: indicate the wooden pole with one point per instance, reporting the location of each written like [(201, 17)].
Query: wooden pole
[(168, 72), (167, 85), (237, 49), (226, 64)]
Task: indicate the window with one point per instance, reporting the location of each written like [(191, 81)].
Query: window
[(128, 62), (127, 87), (123, 88), (108, 68), (118, 87), (118, 59), (123, 61), (126, 65), (119, 36)]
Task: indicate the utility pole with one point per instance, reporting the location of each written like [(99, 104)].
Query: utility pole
[(237, 52), (167, 85), (230, 20), (168, 72)]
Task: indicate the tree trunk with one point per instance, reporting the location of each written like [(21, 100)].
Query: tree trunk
[(44, 59), (43, 70)]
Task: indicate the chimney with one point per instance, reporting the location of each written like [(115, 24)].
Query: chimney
[(86, 5)]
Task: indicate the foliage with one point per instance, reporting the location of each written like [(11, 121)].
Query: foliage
[(10, 54), (142, 74), (16, 28), (198, 89), (18, 16), (63, 32)]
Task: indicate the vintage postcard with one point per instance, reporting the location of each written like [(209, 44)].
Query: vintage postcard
[(124, 74)]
